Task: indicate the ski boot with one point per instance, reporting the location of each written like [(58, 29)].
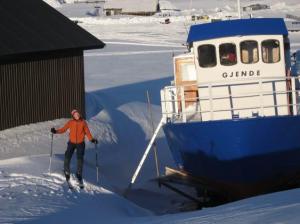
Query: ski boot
[(80, 181), (67, 175)]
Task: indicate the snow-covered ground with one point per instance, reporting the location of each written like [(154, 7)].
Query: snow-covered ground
[(137, 58), (28, 195)]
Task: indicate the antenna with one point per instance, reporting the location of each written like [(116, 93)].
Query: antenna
[(239, 9), (186, 18), (191, 4)]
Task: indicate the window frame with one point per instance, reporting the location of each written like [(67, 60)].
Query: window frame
[(215, 52), (236, 55), (258, 51), (279, 47)]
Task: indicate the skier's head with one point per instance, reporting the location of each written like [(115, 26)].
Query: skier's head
[(75, 114)]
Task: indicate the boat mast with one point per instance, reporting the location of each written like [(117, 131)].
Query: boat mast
[(239, 9)]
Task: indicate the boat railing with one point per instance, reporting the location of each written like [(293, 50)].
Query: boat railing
[(255, 97)]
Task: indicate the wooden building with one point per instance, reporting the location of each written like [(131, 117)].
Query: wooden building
[(131, 7), (41, 63)]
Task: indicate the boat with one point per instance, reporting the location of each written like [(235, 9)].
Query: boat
[(231, 115)]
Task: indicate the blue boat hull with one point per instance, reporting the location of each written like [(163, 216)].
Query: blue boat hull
[(242, 157)]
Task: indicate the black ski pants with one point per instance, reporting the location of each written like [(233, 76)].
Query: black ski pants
[(80, 148)]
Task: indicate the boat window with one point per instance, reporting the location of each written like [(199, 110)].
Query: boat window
[(249, 52), (207, 56), (227, 54), (270, 51)]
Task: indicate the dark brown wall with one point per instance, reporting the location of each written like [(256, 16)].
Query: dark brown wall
[(35, 88)]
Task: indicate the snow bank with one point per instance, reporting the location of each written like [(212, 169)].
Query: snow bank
[(33, 139), (287, 6), (126, 20), (276, 208)]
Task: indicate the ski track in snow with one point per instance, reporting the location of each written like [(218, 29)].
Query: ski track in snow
[(29, 196), (47, 193)]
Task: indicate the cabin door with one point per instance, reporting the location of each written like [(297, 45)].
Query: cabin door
[(185, 76)]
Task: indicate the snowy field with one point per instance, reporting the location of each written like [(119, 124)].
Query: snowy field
[(137, 58)]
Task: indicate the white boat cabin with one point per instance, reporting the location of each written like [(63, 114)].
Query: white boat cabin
[(235, 69)]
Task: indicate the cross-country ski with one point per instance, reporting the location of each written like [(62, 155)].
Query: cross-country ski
[(70, 186), (75, 184)]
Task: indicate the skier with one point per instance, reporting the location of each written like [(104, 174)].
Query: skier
[(78, 130)]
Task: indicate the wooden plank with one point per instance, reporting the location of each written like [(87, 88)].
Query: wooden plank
[(182, 177)]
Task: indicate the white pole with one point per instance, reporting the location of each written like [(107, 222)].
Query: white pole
[(146, 152), (97, 164), (239, 9), (153, 130)]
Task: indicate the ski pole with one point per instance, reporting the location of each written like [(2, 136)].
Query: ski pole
[(51, 153), (97, 165)]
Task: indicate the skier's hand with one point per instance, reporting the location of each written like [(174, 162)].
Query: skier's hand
[(95, 141), (53, 131)]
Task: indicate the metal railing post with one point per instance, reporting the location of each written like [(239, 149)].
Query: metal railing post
[(183, 104), (294, 96), (210, 102), (175, 103), (261, 98), (163, 102)]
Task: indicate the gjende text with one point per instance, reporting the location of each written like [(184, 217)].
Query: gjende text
[(240, 74)]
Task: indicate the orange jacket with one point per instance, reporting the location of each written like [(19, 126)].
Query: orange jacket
[(78, 130)]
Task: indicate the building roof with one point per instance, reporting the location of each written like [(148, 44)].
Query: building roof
[(239, 27), (132, 6), (29, 26)]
